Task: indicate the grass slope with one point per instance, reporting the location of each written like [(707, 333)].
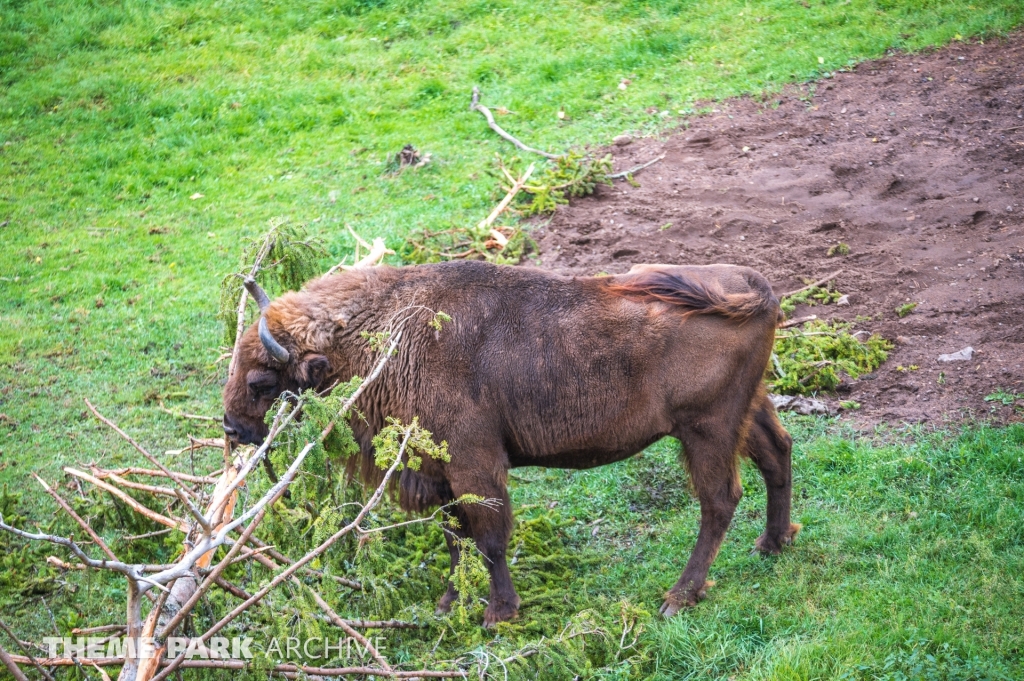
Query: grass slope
[(114, 114)]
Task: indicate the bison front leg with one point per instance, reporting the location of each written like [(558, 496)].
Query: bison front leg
[(770, 447), (716, 479), (491, 528)]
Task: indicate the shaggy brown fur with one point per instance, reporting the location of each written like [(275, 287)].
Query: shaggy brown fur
[(536, 369)]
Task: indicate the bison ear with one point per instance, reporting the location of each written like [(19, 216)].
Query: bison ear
[(312, 371)]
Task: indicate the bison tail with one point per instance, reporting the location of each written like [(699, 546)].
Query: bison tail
[(695, 297)]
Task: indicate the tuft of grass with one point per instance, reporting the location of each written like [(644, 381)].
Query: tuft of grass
[(838, 249), (905, 309)]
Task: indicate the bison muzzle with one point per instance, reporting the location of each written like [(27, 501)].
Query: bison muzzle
[(537, 369)]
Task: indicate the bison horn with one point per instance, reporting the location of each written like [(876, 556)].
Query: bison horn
[(276, 350), (257, 293)]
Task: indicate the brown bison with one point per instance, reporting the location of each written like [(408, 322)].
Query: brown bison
[(537, 369)]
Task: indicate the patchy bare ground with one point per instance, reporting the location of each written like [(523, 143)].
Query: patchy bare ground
[(914, 161)]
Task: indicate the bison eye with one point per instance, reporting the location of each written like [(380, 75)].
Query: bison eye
[(262, 384)]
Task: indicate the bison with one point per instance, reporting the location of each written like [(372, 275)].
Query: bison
[(538, 369)]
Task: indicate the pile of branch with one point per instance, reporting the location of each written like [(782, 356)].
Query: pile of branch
[(206, 509)]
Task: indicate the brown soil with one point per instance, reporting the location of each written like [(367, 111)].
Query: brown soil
[(915, 161)]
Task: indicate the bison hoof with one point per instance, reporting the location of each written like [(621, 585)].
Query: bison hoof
[(499, 612), (444, 606), (770, 545), (684, 598)]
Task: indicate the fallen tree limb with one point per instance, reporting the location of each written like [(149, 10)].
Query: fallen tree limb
[(475, 105), (326, 544), (375, 253)]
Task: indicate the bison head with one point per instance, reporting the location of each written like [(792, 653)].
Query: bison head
[(269, 361)]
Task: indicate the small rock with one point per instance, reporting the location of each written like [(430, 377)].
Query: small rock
[(843, 301), (976, 199), (959, 356), (801, 405), (902, 340), (622, 140)]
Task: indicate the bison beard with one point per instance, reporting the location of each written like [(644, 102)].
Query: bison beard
[(537, 369)]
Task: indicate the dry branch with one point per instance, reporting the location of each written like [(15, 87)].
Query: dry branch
[(24, 649), (475, 105), (635, 169), (132, 502), (517, 187), (77, 518), (131, 484), (194, 444), (98, 630), (376, 252), (203, 479), (12, 666), (823, 280), (798, 321), (142, 450)]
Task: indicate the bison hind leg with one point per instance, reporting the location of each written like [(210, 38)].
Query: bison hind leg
[(770, 447)]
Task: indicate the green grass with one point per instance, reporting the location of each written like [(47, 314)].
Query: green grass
[(114, 114)]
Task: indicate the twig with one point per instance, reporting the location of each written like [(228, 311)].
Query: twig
[(131, 484), (12, 666), (135, 505), (798, 321), (821, 281), (348, 629), (475, 105), (131, 571), (281, 558), (24, 649), (635, 169), (147, 535), (99, 630), (77, 518), (194, 444), (500, 208), (202, 479), (142, 450)]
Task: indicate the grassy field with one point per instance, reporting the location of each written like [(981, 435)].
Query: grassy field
[(141, 143)]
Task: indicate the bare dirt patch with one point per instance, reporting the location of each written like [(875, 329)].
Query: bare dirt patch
[(916, 162)]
